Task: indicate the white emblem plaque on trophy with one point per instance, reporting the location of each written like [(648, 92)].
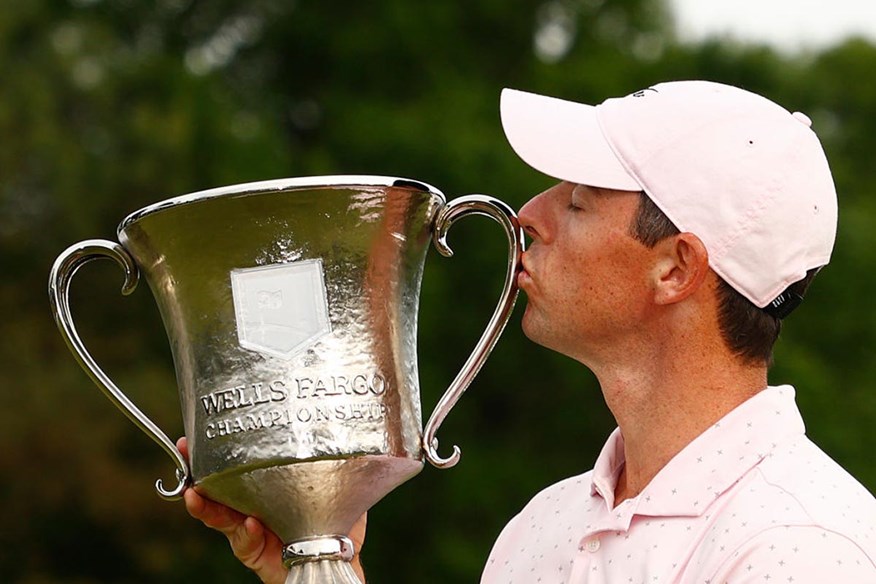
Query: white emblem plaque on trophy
[(281, 309)]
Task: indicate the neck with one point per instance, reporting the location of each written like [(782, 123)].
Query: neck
[(666, 396)]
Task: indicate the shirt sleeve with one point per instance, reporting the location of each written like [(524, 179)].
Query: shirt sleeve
[(500, 554), (797, 555)]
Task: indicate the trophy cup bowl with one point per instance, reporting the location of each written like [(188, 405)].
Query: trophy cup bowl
[(291, 311)]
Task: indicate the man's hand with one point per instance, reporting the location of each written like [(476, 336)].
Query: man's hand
[(255, 546)]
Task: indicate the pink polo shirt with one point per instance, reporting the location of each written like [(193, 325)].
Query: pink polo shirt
[(751, 500)]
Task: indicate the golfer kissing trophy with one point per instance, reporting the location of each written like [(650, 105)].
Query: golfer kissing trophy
[(291, 310)]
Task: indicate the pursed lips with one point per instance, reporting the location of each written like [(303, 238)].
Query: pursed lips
[(524, 276)]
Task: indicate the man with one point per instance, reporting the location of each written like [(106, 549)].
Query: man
[(690, 219)]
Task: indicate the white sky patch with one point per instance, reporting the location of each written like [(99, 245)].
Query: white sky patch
[(787, 25)]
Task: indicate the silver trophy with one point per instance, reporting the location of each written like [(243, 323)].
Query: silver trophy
[(291, 311)]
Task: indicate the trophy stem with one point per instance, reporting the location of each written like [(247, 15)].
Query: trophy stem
[(320, 560)]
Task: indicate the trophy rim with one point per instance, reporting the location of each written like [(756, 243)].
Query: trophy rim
[(279, 185)]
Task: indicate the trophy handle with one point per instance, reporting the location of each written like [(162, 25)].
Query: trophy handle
[(447, 216), (62, 273)]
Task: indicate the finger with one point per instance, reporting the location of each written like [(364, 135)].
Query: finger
[(248, 542), (357, 535), (257, 548), (357, 532), (183, 446), (260, 550), (212, 514)]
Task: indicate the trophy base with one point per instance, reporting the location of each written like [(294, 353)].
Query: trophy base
[(306, 499), (321, 559), (323, 572)]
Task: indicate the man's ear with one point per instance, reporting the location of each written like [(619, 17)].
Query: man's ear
[(681, 268)]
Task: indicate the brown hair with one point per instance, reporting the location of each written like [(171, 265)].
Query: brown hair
[(747, 330)]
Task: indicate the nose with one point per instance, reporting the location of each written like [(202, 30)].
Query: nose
[(529, 217), (533, 216)]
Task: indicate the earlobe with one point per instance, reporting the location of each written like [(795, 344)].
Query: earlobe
[(681, 269)]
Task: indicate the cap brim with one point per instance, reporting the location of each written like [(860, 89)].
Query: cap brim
[(562, 139)]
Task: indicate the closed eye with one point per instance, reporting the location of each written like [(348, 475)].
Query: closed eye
[(576, 197)]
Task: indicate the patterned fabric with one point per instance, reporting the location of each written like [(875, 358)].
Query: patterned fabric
[(751, 500)]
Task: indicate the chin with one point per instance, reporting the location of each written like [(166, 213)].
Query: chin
[(542, 333), (533, 329)]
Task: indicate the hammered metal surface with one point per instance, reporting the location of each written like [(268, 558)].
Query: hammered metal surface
[(291, 310), (308, 441)]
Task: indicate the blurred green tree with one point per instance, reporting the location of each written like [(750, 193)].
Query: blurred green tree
[(108, 105)]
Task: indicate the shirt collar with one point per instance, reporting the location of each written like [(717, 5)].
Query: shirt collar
[(712, 463), (608, 467)]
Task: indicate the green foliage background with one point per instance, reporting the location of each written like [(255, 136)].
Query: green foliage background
[(109, 105)]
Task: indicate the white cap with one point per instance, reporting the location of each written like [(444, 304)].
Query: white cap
[(747, 177)]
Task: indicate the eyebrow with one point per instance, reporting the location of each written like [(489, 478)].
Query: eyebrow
[(589, 190), (603, 192)]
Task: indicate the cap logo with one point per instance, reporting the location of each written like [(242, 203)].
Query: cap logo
[(641, 92), (784, 304)]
